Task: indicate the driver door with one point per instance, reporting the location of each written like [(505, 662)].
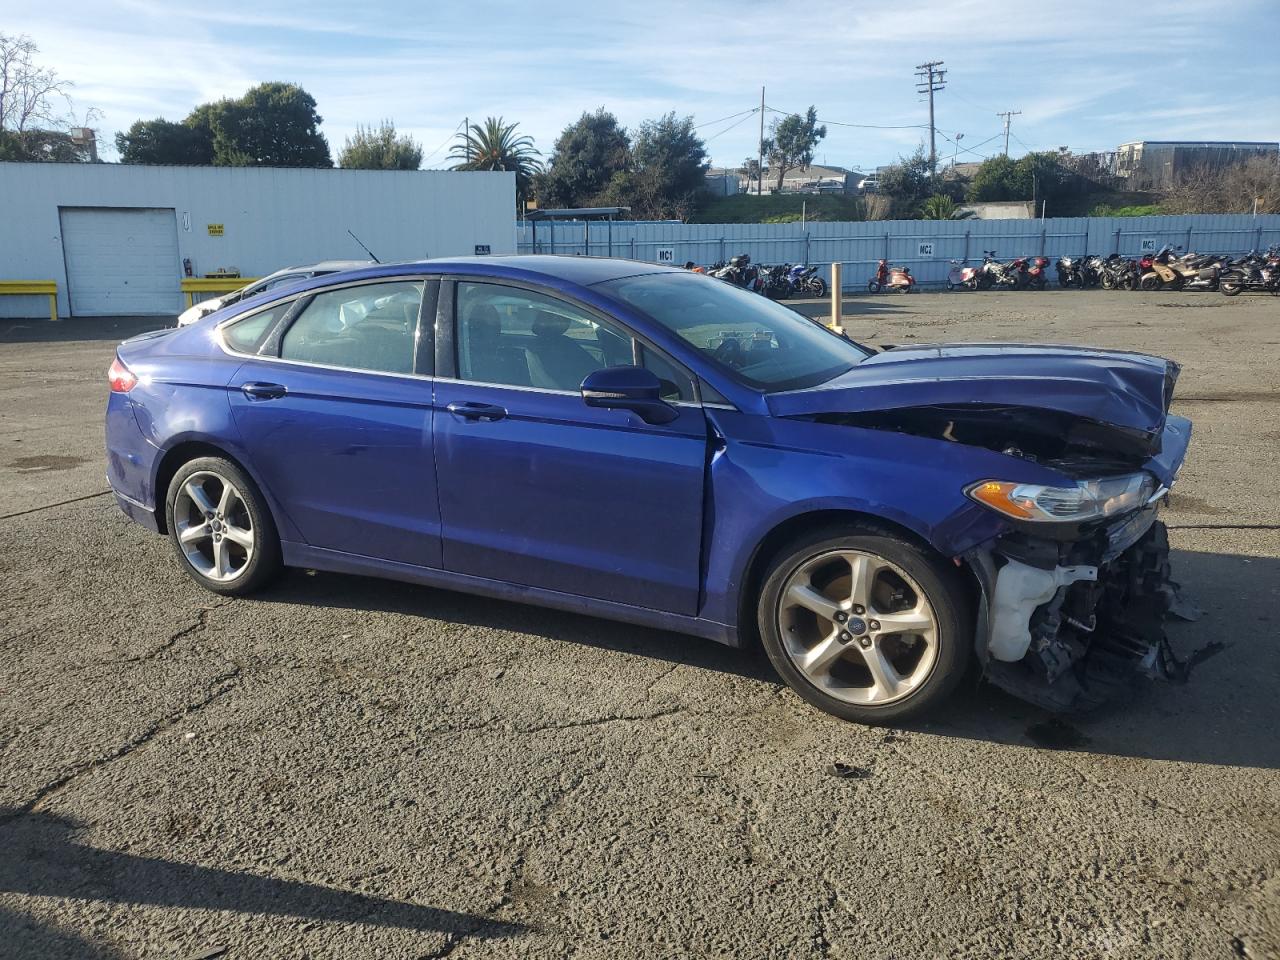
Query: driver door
[(538, 489)]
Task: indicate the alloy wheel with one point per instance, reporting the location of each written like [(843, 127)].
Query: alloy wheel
[(214, 526), (858, 627)]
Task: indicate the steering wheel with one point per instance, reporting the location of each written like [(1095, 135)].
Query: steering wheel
[(729, 353)]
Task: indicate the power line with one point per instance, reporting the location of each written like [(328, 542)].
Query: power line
[(863, 126), (1008, 115), (741, 120), (453, 134), (929, 79), (712, 123)]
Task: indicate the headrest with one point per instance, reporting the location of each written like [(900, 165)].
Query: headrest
[(547, 324), (483, 321)]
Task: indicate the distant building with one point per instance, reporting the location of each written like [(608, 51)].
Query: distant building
[(811, 179), (1156, 164)]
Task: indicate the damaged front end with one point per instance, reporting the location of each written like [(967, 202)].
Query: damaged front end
[(1076, 586), (1069, 625)]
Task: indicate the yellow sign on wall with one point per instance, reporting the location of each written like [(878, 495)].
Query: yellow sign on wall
[(215, 229)]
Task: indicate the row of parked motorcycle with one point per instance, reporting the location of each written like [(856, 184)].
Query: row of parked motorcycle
[(1167, 269), (777, 282)]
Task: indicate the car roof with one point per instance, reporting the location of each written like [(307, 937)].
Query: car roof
[(326, 266), (556, 269)]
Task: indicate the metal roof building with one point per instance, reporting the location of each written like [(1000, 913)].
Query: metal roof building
[(118, 238)]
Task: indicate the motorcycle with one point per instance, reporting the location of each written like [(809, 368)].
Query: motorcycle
[(961, 277), (1035, 273), (1070, 271), (740, 272), (993, 273), (805, 280), (1119, 273), (898, 279), (775, 282), (1254, 272)]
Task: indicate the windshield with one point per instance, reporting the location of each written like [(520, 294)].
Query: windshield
[(758, 342)]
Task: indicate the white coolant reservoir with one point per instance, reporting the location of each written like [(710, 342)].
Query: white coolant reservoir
[(1019, 590)]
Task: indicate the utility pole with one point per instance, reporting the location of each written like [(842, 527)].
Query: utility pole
[(760, 158), (929, 80), (1008, 115)]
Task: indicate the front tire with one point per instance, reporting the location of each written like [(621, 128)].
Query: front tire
[(865, 626), (220, 527), (1229, 288), (818, 287)]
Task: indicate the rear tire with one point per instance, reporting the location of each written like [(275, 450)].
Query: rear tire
[(1230, 288), (220, 527), (857, 668)]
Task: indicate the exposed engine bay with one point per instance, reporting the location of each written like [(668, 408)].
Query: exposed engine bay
[(1071, 625)]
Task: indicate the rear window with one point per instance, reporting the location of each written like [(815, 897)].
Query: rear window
[(246, 335)]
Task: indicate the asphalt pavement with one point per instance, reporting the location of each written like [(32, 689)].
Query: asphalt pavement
[(344, 767)]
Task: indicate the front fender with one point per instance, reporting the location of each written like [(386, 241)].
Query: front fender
[(766, 472)]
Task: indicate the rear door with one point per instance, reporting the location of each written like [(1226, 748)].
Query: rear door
[(537, 488), (334, 408)]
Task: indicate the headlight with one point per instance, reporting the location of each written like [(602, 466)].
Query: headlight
[(1087, 500)]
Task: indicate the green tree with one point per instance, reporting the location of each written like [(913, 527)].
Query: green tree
[(588, 154), (669, 168), (495, 145), (380, 149), (791, 143), (272, 125), (1036, 176), (162, 141), (909, 180)]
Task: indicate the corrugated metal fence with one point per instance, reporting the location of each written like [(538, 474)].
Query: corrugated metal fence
[(926, 246)]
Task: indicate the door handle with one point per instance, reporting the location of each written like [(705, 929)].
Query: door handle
[(263, 391), (467, 410)]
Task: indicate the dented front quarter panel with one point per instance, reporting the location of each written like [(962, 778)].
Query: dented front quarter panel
[(765, 471)]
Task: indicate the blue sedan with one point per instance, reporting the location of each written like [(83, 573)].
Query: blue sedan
[(659, 447)]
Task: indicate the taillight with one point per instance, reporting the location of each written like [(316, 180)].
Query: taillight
[(121, 378)]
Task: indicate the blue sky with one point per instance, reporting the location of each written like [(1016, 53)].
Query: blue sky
[(1087, 75)]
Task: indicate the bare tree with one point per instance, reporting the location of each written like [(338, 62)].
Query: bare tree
[(31, 97), (1233, 189)]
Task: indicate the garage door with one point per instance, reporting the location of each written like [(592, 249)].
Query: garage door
[(121, 261)]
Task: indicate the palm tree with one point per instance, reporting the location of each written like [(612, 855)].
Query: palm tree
[(496, 146), (942, 207)]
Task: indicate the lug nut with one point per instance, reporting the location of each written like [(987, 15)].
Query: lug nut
[(865, 643), (841, 616), (874, 624), (858, 608), (845, 636)]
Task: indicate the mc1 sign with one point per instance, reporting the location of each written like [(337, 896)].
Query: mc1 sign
[(665, 255)]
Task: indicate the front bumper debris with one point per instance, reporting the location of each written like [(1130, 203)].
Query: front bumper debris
[(1073, 625)]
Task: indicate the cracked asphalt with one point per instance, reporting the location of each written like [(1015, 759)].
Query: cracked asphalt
[(346, 767)]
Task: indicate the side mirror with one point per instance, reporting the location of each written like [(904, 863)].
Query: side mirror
[(628, 388)]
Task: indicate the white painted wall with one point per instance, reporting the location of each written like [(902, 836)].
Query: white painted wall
[(272, 217)]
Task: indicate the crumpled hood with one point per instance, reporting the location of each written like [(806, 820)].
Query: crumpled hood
[(1129, 391)]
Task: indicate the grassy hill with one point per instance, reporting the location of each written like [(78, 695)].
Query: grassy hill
[(778, 208)]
